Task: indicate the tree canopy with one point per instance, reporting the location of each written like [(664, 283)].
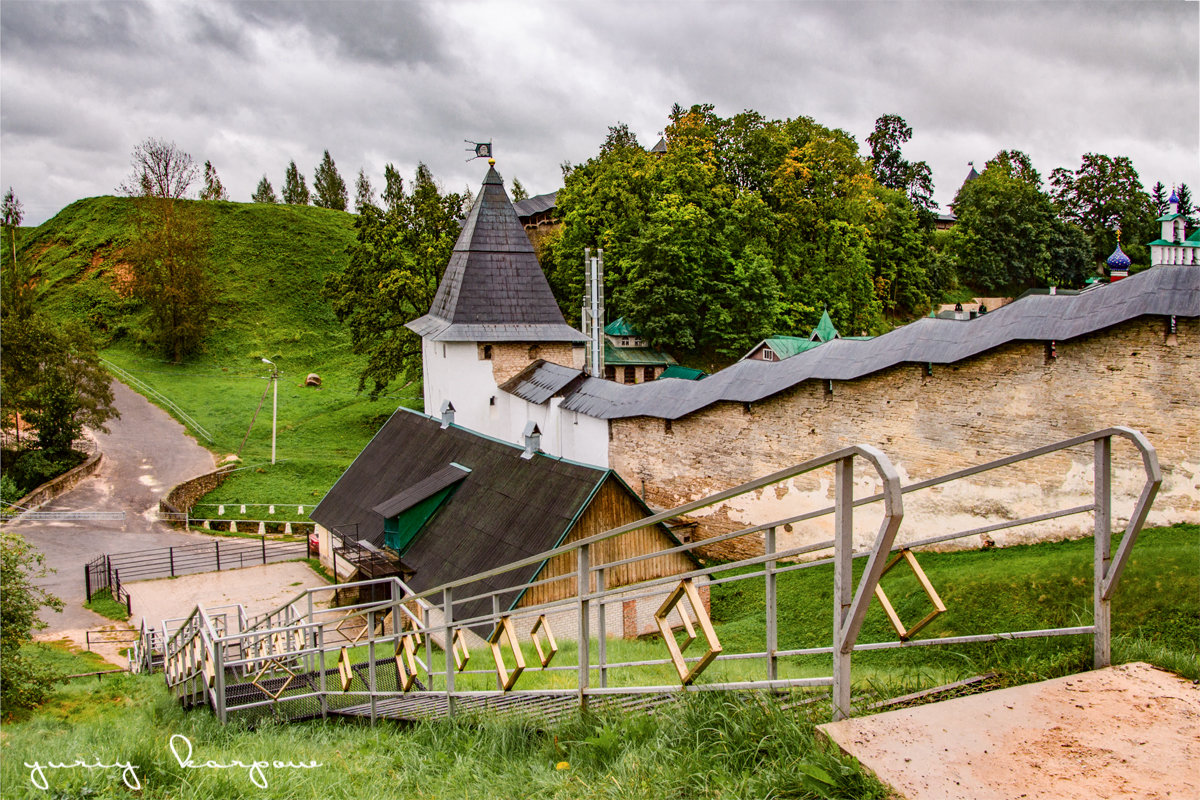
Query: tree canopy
[(1103, 197), (744, 228), (395, 264), (1008, 235), (213, 189), (364, 193), (329, 190), (265, 193), (169, 252), (295, 191)]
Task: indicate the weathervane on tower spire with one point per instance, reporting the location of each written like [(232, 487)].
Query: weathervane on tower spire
[(481, 150)]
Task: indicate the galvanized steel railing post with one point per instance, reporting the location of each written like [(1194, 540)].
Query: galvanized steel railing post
[(320, 635), (843, 581), (1102, 606), (427, 617), (771, 608), (601, 631), (495, 622), (371, 661), (448, 646), (219, 679), (583, 587)]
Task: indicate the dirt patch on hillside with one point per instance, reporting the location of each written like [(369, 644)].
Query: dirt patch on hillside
[(1131, 731)]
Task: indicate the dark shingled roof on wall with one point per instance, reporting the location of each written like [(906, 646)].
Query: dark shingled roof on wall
[(535, 205), (505, 509), (493, 289), (542, 380), (1161, 291)]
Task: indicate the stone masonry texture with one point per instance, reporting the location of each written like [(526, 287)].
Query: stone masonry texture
[(1003, 402)]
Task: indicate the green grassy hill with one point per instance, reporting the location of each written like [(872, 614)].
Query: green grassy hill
[(269, 263)]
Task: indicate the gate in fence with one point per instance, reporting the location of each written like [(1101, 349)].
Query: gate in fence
[(409, 656), (109, 571)]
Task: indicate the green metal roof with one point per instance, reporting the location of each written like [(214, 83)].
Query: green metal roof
[(686, 373), (1170, 217), (788, 346), (824, 331), (619, 327), (1190, 241), (635, 356)]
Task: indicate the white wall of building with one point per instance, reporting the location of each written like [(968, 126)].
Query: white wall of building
[(453, 371)]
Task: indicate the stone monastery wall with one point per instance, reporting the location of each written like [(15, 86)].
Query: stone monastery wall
[(1002, 402)]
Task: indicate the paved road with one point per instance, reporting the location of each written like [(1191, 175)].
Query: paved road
[(146, 452)]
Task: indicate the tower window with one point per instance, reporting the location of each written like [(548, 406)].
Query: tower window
[(485, 352)]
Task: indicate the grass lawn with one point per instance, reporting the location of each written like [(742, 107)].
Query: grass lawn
[(102, 603), (709, 746)]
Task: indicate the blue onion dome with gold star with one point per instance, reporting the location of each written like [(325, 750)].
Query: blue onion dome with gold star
[(1118, 259)]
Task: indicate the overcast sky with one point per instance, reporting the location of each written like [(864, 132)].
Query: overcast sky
[(252, 85)]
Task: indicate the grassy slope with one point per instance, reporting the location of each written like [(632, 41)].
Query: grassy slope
[(269, 263), (710, 747)]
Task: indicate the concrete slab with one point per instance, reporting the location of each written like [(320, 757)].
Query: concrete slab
[(1131, 731), (258, 589)]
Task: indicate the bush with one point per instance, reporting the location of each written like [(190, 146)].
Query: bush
[(9, 492), (23, 683), (32, 468)]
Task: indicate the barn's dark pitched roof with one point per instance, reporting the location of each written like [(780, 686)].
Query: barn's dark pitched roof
[(1162, 290), (493, 289), (505, 509)]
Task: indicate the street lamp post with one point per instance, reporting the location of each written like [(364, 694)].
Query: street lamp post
[(274, 403)]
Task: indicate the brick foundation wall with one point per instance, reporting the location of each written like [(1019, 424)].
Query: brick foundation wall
[(1002, 402)]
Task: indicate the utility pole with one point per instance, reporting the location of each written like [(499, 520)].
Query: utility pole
[(274, 403)]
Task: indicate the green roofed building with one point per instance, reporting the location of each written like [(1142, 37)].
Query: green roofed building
[(778, 348), (683, 373), (628, 358), (1175, 245)]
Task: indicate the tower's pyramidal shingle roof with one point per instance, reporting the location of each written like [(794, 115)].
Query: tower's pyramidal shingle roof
[(493, 289)]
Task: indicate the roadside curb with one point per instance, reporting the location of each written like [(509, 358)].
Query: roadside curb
[(56, 487)]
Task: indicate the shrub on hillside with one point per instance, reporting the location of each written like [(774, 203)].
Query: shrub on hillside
[(24, 683)]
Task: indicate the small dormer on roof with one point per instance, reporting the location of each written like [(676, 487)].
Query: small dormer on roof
[(825, 330), (493, 289)]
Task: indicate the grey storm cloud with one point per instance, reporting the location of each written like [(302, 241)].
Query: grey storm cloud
[(251, 85)]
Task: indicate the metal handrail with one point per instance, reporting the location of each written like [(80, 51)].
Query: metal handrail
[(301, 627)]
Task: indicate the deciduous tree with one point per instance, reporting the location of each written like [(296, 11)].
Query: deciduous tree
[(393, 187), (23, 683), (265, 193), (1103, 197), (295, 191), (396, 262), (329, 190), (1008, 236), (364, 194), (213, 190), (892, 170), (169, 251)]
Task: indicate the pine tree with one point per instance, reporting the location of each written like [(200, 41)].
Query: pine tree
[(364, 194), (1185, 202), (295, 192), (518, 191), (393, 190), (328, 187), (1158, 196), (265, 193), (213, 190)]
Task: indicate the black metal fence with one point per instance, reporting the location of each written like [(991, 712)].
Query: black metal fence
[(109, 571), (99, 575)]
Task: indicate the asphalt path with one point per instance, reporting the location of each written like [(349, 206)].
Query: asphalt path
[(146, 452)]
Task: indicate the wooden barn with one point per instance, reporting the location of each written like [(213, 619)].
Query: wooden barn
[(450, 503)]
